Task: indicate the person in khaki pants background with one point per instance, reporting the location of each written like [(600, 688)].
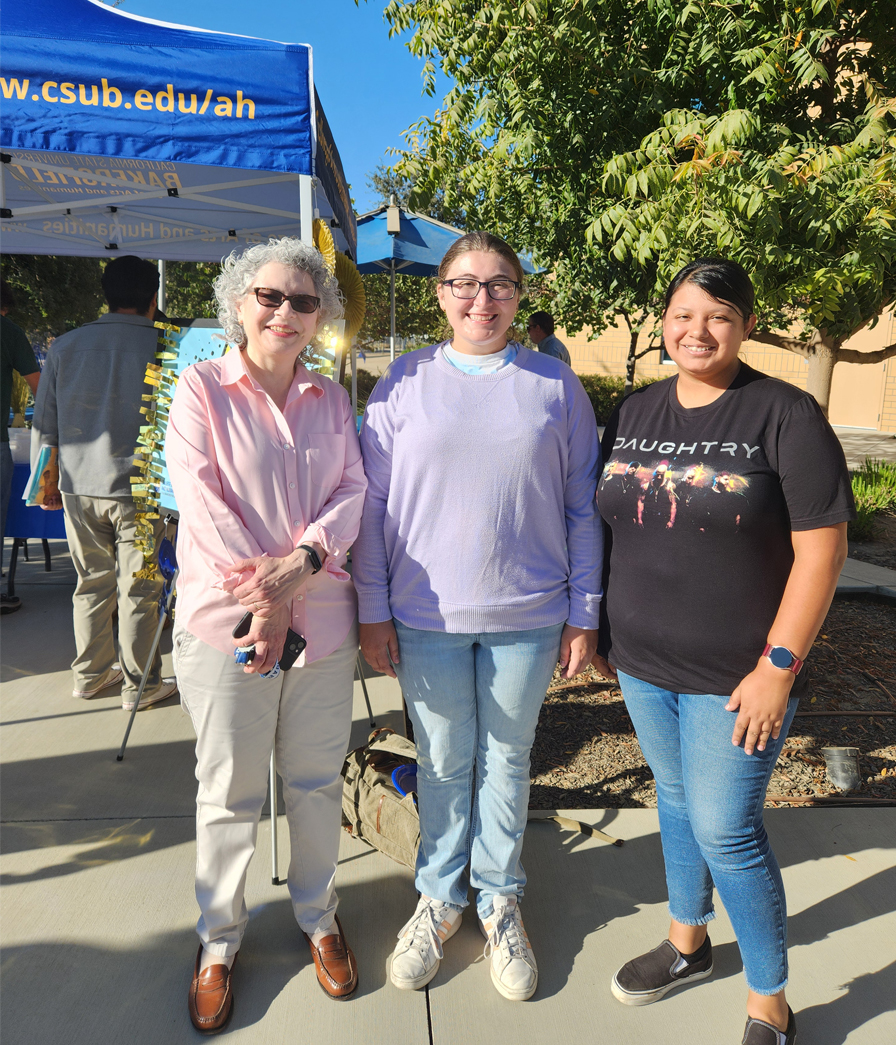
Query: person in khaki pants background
[(88, 405)]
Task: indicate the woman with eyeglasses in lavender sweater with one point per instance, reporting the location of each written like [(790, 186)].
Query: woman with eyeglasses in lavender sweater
[(477, 568)]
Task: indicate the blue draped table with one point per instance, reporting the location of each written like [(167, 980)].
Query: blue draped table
[(24, 523)]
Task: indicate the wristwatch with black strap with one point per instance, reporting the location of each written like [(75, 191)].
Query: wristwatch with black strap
[(316, 564), (782, 658)]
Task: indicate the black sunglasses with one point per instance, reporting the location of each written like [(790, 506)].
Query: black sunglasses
[(306, 303)]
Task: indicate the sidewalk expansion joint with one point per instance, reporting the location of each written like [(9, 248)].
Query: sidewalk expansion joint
[(81, 819)]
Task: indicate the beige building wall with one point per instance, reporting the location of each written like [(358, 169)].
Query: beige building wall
[(863, 395)]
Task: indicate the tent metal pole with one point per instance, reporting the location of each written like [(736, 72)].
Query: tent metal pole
[(392, 312), (166, 611), (306, 209), (275, 872), (163, 291)]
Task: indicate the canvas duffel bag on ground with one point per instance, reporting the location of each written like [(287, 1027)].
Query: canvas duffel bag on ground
[(375, 811), (372, 807)]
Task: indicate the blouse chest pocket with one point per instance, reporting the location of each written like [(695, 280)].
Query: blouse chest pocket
[(326, 459)]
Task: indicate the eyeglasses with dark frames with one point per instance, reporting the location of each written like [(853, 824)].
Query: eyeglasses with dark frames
[(269, 298), (467, 289)]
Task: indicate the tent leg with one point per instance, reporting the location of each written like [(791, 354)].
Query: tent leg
[(360, 670), (148, 668), (275, 873), (163, 290), (306, 210)]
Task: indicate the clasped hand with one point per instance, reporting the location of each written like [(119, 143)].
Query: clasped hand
[(268, 636), (265, 585)]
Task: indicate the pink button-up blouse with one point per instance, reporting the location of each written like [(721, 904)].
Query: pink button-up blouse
[(250, 480)]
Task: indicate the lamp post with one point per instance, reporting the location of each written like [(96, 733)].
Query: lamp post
[(393, 228)]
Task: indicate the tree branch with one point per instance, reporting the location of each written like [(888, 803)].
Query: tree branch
[(791, 344), (653, 346), (852, 355)]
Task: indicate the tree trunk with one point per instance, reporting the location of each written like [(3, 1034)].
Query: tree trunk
[(821, 370), (630, 361)]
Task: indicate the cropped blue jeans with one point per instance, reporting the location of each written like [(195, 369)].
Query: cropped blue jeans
[(474, 702), (710, 796)]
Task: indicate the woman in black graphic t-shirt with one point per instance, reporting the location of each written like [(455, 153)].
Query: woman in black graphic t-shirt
[(715, 590)]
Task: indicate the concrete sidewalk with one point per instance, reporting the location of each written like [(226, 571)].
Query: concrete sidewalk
[(861, 444), (98, 911)]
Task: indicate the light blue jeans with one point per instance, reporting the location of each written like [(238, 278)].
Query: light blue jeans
[(474, 702), (710, 797)]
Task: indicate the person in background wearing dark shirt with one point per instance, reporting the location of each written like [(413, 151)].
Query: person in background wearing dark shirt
[(708, 626), (15, 355), (541, 334)]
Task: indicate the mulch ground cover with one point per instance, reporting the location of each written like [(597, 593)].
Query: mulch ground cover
[(880, 549), (586, 754)]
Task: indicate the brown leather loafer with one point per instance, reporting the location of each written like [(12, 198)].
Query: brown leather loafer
[(335, 965), (211, 996)]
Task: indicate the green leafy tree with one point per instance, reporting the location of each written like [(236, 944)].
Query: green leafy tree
[(188, 286), (53, 294), (814, 223), (387, 182), (548, 92)]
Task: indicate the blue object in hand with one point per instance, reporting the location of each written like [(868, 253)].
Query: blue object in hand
[(244, 654)]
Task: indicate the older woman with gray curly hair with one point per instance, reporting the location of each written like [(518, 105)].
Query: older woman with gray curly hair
[(266, 468)]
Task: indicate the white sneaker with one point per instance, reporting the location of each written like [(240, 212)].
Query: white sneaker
[(112, 676), (514, 971), (416, 959), (167, 688)]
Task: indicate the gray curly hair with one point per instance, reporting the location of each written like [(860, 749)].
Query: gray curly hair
[(238, 272)]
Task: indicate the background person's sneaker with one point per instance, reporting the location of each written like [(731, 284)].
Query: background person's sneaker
[(418, 954), (514, 972), (650, 976), (167, 689), (758, 1032), (9, 603), (113, 676)]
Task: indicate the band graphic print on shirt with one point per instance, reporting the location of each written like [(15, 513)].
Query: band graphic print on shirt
[(682, 490)]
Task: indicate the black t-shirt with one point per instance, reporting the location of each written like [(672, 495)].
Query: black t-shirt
[(700, 504)]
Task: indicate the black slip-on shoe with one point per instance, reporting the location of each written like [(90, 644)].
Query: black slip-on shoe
[(650, 976), (758, 1032)]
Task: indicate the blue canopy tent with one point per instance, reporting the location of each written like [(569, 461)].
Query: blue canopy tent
[(124, 135), (393, 240)]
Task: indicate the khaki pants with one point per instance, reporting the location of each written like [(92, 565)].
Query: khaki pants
[(238, 718), (101, 534)]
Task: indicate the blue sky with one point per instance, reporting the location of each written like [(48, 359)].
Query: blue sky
[(370, 85)]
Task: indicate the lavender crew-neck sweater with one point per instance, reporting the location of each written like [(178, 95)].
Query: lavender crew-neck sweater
[(480, 513)]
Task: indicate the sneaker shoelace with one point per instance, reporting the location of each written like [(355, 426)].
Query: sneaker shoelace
[(424, 927), (508, 935)]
